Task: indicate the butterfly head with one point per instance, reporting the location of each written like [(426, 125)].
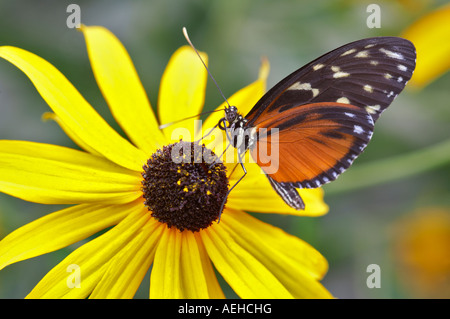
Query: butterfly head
[(232, 119), (234, 124), (231, 114)]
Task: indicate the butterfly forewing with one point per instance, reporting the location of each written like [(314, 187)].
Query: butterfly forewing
[(368, 73)]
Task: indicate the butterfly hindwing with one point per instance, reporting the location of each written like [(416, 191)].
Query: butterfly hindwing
[(288, 193), (314, 142), (368, 73)]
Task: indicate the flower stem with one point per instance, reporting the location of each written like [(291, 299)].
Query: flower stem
[(391, 169)]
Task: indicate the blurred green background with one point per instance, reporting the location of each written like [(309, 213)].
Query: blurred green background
[(366, 224)]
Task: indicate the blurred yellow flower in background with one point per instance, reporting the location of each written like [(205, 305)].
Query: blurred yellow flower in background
[(421, 239), (421, 251), (431, 37)]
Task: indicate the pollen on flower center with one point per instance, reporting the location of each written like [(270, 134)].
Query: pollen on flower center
[(184, 186)]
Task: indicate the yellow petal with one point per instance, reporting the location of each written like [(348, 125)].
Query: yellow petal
[(197, 276), (122, 89), (431, 37), (182, 91), (296, 264), (51, 174), (127, 269), (58, 230), (254, 193), (165, 277), (214, 289), (91, 259), (73, 135), (74, 110), (193, 280), (182, 268), (245, 274)]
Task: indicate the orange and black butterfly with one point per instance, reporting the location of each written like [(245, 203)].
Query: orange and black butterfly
[(324, 113)]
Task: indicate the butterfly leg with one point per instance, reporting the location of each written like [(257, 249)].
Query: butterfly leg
[(222, 127), (229, 191), (210, 131), (232, 171)]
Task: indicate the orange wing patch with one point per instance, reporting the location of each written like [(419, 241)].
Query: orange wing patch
[(310, 145)]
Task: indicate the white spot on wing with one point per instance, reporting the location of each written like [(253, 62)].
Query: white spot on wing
[(304, 86), (362, 54), (318, 67), (340, 74), (300, 86), (358, 129), (372, 109), (335, 68), (343, 100), (349, 114), (393, 55), (401, 67), (348, 52), (368, 88)]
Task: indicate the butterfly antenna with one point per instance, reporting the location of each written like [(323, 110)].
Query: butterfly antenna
[(162, 126), (210, 75)]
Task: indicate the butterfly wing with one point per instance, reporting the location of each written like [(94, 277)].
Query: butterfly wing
[(368, 73), (325, 111), (288, 193), (310, 145)]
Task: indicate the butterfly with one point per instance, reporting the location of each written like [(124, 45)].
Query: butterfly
[(324, 114)]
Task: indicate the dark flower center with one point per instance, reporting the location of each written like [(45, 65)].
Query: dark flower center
[(184, 186)]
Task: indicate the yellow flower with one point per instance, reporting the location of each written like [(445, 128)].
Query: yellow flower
[(421, 246), (431, 37), (106, 184)]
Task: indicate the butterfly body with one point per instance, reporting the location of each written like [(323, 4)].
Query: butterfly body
[(321, 117)]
